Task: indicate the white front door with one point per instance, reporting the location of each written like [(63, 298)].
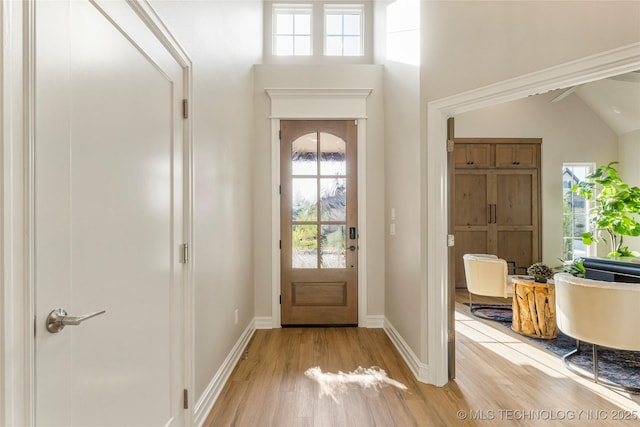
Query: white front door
[(109, 218)]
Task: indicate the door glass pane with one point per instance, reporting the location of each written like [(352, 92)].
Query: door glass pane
[(332, 155), (333, 243), (304, 206), (333, 199), (304, 246), (304, 155)]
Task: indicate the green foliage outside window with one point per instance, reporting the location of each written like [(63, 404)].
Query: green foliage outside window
[(615, 209)]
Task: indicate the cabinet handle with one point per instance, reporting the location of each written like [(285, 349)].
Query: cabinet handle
[(492, 214)]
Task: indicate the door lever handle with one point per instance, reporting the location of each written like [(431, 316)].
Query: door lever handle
[(58, 319)]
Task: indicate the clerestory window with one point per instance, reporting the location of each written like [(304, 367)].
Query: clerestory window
[(321, 31), (292, 30), (343, 30)]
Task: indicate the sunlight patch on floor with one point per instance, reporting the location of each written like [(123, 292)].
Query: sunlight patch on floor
[(334, 384), (519, 352)]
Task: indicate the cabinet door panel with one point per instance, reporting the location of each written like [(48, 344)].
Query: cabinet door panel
[(479, 155), (515, 198), (516, 155), (470, 200), (525, 155), (517, 246), (472, 155)]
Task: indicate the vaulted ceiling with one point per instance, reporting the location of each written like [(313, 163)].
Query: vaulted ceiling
[(616, 100)]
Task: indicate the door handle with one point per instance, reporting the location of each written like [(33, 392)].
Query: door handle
[(352, 248), (58, 319)]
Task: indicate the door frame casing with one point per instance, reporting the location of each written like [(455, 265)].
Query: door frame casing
[(587, 69), (317, 104), (17, 232)]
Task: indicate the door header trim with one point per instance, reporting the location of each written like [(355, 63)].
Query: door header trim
[(314, 103)]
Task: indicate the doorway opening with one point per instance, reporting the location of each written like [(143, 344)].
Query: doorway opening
[(440, 295)]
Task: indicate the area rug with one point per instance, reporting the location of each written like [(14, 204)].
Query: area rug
[(617, 366)]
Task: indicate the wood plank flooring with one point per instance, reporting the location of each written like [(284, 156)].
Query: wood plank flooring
[(501, 380)]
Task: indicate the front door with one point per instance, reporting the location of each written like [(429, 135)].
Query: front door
[(109, 219), (319, 230)]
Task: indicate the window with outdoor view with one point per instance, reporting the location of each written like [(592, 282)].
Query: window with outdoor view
[(575, 211)]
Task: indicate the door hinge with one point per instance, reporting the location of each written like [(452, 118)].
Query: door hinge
[(280, 299), (450, 145), (280, 244), (185, 108), (185, 253), (355, 122), (451, 240), (185, 399), (279, 134), (279, 189)]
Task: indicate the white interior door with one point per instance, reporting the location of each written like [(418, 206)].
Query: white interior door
[(109, 218)]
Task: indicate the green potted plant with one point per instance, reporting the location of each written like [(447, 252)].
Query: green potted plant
[(574, 267), (540, 272), (615, 209)]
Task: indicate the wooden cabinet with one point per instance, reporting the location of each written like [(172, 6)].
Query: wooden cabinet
[(516, 155), (496, 210), (472, 155)]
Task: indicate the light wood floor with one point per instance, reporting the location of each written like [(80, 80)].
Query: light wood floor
[(501, 380)]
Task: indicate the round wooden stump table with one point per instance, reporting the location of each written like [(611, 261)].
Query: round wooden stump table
[(534, 308)]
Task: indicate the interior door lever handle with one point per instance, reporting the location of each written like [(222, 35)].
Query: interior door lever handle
[(58, 319)]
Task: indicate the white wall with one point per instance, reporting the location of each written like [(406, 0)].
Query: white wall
[(402, 188), (570, 132), (402, 194), (223, 54), (319, 76), (629, 152)]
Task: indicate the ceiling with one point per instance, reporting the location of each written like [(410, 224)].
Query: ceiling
[(616, 100)]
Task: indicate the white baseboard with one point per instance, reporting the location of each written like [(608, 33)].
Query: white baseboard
[(265, 322), (420, 370), (211, 393), (374, 322)]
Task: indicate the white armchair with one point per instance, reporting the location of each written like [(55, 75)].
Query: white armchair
[(487, 275), (601, 313)]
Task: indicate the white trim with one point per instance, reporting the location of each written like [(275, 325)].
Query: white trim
[(264, 322), (375, 321), (210, 395), (362, 222), (420, 370), (16, 292), (151, 19), (305, 103), (313, 103), (602, 65), (275, 223), (16, 372)]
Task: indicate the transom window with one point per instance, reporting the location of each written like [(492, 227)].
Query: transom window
[(343, 30), (292, 30)]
